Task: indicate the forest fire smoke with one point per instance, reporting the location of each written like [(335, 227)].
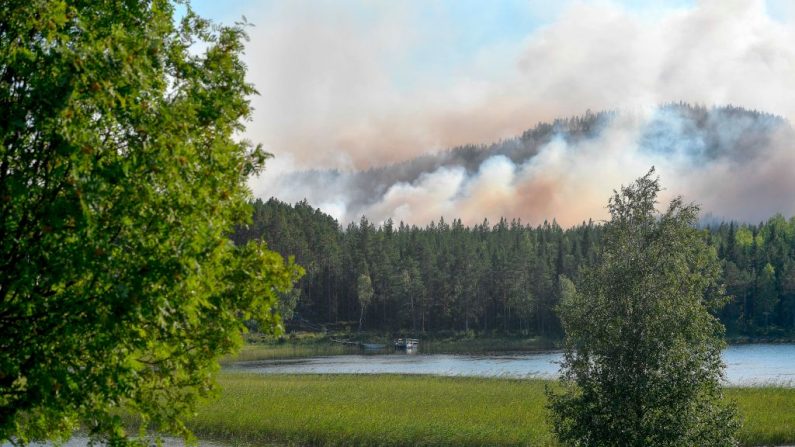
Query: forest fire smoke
[(344, 89), (730, 160), (374, 130)]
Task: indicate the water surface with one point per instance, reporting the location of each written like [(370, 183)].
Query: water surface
[(755, 364)]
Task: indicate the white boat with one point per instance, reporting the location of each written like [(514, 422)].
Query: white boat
[(406, 343)]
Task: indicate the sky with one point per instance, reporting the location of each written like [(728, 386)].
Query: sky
[(351, 85)]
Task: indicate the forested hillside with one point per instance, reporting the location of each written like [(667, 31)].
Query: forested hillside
[(496, 276), (697, 144)]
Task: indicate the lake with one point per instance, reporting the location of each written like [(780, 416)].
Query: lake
[(753, 364)]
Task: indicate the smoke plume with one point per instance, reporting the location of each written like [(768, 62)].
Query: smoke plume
[(353, 84), (735, 162), (360, 99)]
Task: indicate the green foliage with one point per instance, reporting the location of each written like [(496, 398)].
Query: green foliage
[(364, 291), (497, 278), (444, 277), (120, 181), (744, 237), (641, 363)]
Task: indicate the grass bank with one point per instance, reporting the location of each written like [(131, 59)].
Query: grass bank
[(313, 344), (393, 410), (270, 351)]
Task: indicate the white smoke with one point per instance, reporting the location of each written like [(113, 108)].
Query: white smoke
[(739, 168), (329, 73), (329, 100)]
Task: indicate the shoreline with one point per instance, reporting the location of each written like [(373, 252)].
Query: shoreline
[(316, 345)]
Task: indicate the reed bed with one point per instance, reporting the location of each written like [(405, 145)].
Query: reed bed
[(253, 352), (396, 410)]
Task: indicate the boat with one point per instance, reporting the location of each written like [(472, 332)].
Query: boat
[(372, 346), (406, 343)]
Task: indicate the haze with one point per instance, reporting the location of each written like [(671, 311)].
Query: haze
[(354, 85)]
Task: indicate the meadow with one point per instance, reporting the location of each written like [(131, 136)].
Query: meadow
[(394, 410)]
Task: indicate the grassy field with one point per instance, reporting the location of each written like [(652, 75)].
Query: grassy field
[(392, 410)]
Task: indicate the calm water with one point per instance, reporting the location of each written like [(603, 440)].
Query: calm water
[(745, 365)]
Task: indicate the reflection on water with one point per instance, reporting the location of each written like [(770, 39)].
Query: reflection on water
[(745, 365), (519, 365)]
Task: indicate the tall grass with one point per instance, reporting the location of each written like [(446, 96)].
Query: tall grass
[(253, 352), (768, 414), (393, 410)]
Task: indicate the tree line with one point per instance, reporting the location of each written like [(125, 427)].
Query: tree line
[(500, 277)]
